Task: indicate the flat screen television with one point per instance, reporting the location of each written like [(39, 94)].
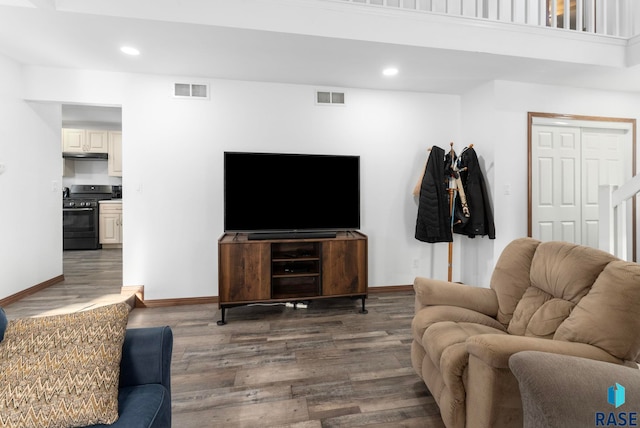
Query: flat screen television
[(273, 195)]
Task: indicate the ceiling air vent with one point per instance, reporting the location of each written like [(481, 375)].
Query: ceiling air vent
[(191, 90), (329, 98)]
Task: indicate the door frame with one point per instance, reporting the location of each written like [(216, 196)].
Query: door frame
[(575, 118)]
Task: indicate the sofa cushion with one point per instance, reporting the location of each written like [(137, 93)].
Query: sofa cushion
[(561, 274), (442, 335), (539, 314), (435, 314), (510, 278), (62, 370), (607, 317)]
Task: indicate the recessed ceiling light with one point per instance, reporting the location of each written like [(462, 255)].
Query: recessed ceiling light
[(391, 71), (130, 50)]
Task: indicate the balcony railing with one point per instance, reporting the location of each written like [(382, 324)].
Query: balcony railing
[(608, 17)]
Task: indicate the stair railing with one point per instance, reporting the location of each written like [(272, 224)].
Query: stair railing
[(614, 205)]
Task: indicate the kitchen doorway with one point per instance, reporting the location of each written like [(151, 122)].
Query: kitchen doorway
[(92, 159)]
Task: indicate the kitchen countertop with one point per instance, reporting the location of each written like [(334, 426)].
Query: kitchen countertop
[(111, 201)]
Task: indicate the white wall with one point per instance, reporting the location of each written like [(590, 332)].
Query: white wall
[(85, 171), (30, 187), (173, 171), (172, 162), (495, 115), (474, 262)]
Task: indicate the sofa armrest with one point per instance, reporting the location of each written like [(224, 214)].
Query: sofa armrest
[(496, 349), (430, 292), (580, 384), (146, 357)]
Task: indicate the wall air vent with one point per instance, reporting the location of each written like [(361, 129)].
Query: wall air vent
[(191, 90), (329, 98)]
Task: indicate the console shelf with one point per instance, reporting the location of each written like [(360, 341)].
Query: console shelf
[(290, 270)]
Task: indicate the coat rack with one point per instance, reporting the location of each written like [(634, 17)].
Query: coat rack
[(455, 190), (445, 174), (452, 188)]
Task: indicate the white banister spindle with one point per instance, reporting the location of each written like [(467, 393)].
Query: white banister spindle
[(604, 7), (590, 12), (606, 241), (621, 231), (627, 12), (634, 15), (617, 15), (579, 7)]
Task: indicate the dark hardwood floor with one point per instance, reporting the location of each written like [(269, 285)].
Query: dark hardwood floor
[(271, 366), (90, 278)]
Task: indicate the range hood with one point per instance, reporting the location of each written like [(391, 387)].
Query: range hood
[(84, 155)]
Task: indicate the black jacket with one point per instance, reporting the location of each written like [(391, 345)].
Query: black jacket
[(433, 223), (481, 220)]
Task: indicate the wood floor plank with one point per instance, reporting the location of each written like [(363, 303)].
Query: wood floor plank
[(271, 366), (249, 415)]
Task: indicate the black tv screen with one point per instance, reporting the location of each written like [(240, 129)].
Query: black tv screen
[(280, 192)]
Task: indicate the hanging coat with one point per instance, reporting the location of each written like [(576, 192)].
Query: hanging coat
[(433, 223), (481, 219)]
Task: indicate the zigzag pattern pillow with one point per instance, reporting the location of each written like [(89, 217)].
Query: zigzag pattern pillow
[(62, 371)]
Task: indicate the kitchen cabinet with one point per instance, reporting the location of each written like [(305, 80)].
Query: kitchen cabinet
[(111, 224), (97, 141), (85, 141), (115, 154)]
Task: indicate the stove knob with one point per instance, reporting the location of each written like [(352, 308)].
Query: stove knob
[(72, 204)]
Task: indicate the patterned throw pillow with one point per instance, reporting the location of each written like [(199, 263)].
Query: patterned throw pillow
[(62, 371)]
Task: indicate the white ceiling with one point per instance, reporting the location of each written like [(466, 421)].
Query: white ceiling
[(47, 37)]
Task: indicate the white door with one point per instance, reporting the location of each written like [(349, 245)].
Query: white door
[(603, 162), (568, 164), (555, 193)]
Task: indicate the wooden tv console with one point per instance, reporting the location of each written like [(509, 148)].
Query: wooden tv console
[(290, 270)]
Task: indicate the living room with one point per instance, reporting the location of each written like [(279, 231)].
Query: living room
[(173, 158), (176, 162)]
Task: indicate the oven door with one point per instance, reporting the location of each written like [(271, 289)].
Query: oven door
[(80, 228)]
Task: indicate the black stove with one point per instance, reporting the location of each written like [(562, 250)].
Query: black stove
[(80, 215), (91, 191)]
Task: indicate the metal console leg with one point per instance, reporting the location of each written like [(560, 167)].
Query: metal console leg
[(222, 321), (363, 311)]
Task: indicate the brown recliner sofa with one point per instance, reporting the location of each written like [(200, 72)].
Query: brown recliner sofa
[(552, 297)]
